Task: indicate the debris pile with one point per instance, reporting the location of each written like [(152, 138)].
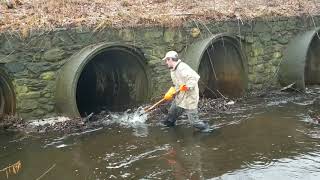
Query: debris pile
[(10, 122), (206, 105), (213, 107), (218, 105)]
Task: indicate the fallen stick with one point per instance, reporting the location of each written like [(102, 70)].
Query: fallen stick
[(46, 172)]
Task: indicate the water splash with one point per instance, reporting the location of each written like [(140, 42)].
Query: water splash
[(135, 119)]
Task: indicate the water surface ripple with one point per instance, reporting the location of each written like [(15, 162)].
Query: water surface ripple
[(266, 138)]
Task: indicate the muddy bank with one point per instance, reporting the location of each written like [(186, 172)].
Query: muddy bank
[(215, 107)]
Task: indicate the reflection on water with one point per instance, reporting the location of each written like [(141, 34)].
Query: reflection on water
[(267, 138), (299, 167)]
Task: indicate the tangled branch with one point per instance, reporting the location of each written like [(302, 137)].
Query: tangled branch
[(12, 169)]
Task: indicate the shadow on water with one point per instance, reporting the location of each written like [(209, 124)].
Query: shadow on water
[(266, 138)]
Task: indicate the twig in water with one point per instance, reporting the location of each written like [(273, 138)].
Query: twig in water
[(54, 165), (14, 168)]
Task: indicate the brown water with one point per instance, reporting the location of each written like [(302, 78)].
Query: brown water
[(268, 138)]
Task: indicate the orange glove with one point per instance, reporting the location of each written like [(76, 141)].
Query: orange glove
[(169, 95), (183, 88)]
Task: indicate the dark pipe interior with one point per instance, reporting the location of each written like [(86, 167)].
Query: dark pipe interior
[(7, 97), (312, 68), (113, 80), (221, 71), (2, 100)]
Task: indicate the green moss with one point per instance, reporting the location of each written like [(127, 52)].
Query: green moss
[(54, 55), (22, 89), (151, 35), (277, 55), (257, 51), (30, 95), (169, 36), (48, 75)]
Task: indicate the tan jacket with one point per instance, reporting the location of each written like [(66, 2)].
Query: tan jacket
[(184, 74)]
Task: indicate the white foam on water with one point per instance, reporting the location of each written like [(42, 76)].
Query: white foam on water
[(132, 119), (131, 159), (61, 146)]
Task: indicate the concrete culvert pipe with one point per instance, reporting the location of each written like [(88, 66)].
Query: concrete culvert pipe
[(107, 76), (7, 95), (301, 62), (221, 64)]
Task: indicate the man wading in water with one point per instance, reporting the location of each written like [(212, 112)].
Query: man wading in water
[(186, 92)]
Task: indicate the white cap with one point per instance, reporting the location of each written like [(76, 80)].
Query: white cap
[(171, 54)]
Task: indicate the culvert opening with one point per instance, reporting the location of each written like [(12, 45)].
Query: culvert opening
[(221, 65), (312, 67), (105, 77), (113, 80), (7, 95), (221, 71), (300, 66)]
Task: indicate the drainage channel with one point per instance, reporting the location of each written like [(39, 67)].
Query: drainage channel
[(221, 64), (109, 77)]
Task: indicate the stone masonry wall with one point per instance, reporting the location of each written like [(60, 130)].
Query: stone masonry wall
[(34, 62)]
